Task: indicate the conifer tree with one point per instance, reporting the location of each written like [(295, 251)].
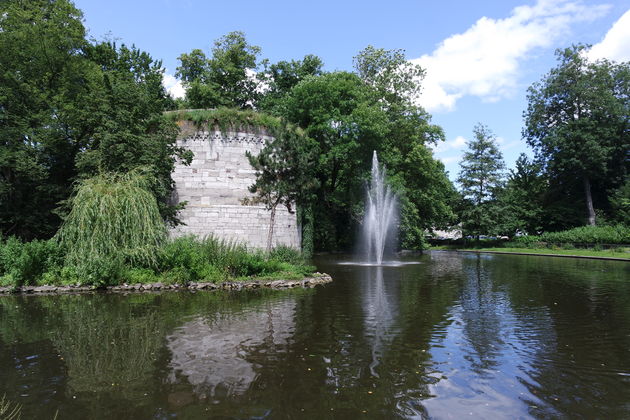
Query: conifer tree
[(481, 178)]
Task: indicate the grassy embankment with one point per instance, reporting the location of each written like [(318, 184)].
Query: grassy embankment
[(617, 253), (177, 261), (587, 241)]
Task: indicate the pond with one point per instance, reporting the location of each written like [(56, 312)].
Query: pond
[(446, 335)]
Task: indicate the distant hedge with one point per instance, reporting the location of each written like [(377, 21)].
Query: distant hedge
[(583, 235)]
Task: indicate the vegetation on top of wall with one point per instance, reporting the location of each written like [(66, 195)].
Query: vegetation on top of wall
[(226, 119)]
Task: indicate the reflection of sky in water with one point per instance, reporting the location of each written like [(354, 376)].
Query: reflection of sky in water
[(211, 354), (485, 354)]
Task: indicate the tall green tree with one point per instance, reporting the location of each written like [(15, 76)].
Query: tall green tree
[(47, 111), (284, 172), (577, 123), (133, 132), (426, 193), (522, 201), (70, 109), (335, 110), (227, 79), (481, 178), (279, 78), (396, 80), (349, 117), (620, 201)]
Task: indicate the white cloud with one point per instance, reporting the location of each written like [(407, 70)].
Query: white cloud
[(457, 144), (446, 160), (450, 151), (616, 44), (261, 85), (484, 60), (173, 86)]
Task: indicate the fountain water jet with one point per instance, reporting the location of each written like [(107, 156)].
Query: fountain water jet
[(380, 216)]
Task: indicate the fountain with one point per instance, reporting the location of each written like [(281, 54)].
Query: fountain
[(380, 217)]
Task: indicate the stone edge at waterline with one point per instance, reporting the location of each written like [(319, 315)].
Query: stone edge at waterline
[(307, 282)]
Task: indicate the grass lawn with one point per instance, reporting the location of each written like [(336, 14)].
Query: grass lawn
[(625, 254)]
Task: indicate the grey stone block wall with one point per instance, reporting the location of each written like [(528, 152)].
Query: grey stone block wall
[(215, 185)]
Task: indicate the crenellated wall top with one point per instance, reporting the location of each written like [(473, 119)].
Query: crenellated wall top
[(227, 137)]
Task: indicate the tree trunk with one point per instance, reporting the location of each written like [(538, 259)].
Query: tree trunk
[(272, 221), (590, 210)]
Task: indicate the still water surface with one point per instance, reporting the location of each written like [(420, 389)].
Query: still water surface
[(448, 336)]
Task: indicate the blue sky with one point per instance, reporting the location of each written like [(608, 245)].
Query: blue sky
[(480, 56)]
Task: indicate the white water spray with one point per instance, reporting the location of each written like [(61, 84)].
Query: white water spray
[(379, 214)]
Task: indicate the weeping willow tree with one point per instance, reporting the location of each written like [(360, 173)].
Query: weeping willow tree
[(102, 349), (113, 217)]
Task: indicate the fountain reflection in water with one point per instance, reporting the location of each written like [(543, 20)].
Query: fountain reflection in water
[(380, 315), (380, 215)]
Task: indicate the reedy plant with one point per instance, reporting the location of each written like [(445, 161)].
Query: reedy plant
[(8, 410)]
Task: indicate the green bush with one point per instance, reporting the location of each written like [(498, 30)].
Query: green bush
[(287, 254), (25, 263), (176, 275), (198, 258), (100, 271), (139, 275), (62, 276), (583, 235), (590, 235), (211, 259)]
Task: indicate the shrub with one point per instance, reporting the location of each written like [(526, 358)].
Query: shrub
[(178, 261), (65, 275), (177, 275), (583, 235), (287, 254), (189, 254), (590, 235), (139, 275), (100, 270), (25, 263)]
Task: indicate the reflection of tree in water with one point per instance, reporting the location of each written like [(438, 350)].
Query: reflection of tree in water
[(71, 349), (212, 354), (108, 350), (476, 351), (482, 310)]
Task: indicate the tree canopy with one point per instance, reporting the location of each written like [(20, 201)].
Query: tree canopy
[(577, 123), (225, 79), (70, 109)]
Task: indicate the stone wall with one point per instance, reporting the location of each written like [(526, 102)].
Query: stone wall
[(215, 185)]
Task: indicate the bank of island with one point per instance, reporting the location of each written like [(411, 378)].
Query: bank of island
[(229, 236)]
